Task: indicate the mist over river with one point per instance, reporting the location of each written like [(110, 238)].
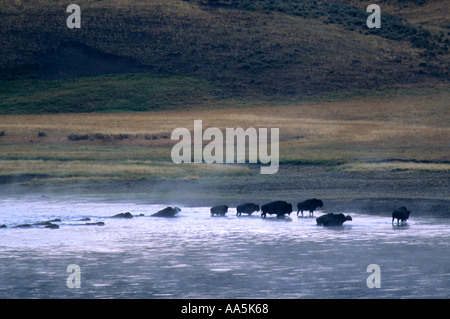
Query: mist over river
[(195, 255)]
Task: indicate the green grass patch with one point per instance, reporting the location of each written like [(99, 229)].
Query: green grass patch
[(75, 152), (107, 93), (148, 92), (313, 162)]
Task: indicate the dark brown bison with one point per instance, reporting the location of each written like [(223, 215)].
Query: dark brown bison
[(248, 208), (332, 219), (401, 214), (309, 205), (167, 212), (219, 210), (279, 208)]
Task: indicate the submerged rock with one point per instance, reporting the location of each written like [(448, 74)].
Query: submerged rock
[(52, 226), (47, 222), (95, 224), (23, 226), (123, 215)]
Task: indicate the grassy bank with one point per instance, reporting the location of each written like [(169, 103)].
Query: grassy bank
[(402, 131), (138, 92), (106, 93)]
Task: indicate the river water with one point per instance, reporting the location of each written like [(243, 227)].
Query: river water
[(195, 255)]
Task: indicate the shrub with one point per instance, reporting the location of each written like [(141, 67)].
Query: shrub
[(78, 137)]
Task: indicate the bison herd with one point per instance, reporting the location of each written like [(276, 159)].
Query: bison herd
[(281, 208)]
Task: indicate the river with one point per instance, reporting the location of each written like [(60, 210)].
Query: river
[(195, 255)]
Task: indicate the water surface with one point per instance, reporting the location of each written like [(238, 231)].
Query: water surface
[(198, 256)]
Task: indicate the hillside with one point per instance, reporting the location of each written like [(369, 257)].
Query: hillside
[(261, 49)]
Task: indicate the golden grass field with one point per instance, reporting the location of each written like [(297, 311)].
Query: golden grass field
[(405, 130)]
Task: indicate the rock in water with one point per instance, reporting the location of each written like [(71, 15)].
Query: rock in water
[(123, 215)]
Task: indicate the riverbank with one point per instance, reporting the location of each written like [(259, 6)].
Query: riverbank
[(362, 152), (362, 192)]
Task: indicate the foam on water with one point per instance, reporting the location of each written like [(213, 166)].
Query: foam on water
[(198, 256)]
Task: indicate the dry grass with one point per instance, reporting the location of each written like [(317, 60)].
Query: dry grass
[(361, 133), (122, 170), (393, 166)]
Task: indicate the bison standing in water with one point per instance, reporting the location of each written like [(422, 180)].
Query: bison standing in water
[(401, 214), (309, 205), (248, 208), (279, 207), (219, 210)]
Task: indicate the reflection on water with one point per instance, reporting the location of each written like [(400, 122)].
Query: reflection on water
[(197, 256)]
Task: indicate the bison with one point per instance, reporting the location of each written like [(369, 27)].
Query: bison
[(401, 214), (248, 208), (309, 205), (219, 210), (167, 212), (332, 219), (280, 208)]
